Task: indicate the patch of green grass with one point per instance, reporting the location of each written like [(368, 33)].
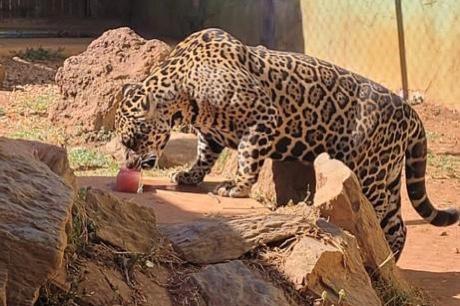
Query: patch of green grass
[(446, 165), (83, 159), (2, 112), (39, 104), (36, 129), (41, 54), (433, 135), (29, 107), (28, 133), (35, 102)]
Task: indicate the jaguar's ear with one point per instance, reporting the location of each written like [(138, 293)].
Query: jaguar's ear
[(151, 106)]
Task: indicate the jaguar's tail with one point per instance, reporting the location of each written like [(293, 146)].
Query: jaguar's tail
[(416, 159)]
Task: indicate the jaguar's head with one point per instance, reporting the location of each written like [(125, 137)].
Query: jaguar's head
[(143, 125)]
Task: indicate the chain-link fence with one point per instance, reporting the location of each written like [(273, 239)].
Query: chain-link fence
[(362, 35)]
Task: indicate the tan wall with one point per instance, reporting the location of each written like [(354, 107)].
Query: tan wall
[(255, 22), (361, 35), (246, 19)]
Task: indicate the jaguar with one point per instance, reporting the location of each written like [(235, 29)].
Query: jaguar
[(284, 106)]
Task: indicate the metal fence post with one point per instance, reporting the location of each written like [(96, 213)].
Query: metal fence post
[(402, 49)]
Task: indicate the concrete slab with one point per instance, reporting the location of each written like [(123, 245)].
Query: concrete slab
[(177, 204)]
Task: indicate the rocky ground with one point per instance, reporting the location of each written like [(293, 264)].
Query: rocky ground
[(91, 247), (29, 95)]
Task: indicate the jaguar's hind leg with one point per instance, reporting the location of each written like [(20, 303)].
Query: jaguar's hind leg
[(386, 200), (392, 223)]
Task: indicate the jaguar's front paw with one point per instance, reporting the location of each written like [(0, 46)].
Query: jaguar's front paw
[(186, 178), (230, 189)]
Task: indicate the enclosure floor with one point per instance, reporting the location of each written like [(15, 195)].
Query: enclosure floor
[(177, 204), (431, 256)]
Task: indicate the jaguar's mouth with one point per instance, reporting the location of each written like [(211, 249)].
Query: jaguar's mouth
[(138, 162)]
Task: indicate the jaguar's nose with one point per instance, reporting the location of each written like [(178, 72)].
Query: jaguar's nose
[(133, 164), (133, 161)]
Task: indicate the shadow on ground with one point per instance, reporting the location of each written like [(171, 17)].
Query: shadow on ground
[(438, 285)]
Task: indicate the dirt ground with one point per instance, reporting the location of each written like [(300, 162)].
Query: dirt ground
[(70, 46), (431, 258)]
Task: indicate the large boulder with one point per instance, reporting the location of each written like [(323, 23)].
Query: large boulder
[(330, 263), (336, 193), (90, 83), (306, 247), (122, 224), (218, 239), (234, 284), (285, 182), (35, 211), (53, 156)]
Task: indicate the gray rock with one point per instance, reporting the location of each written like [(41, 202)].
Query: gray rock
[(53, 156), (217, 240), (330, 263), (180, 150), (232, 283), (122, 223), (35, 210)]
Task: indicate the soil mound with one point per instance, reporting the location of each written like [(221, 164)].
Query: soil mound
[(90, 83)]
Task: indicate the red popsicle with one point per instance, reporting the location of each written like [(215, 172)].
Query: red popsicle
[(128, 180)]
